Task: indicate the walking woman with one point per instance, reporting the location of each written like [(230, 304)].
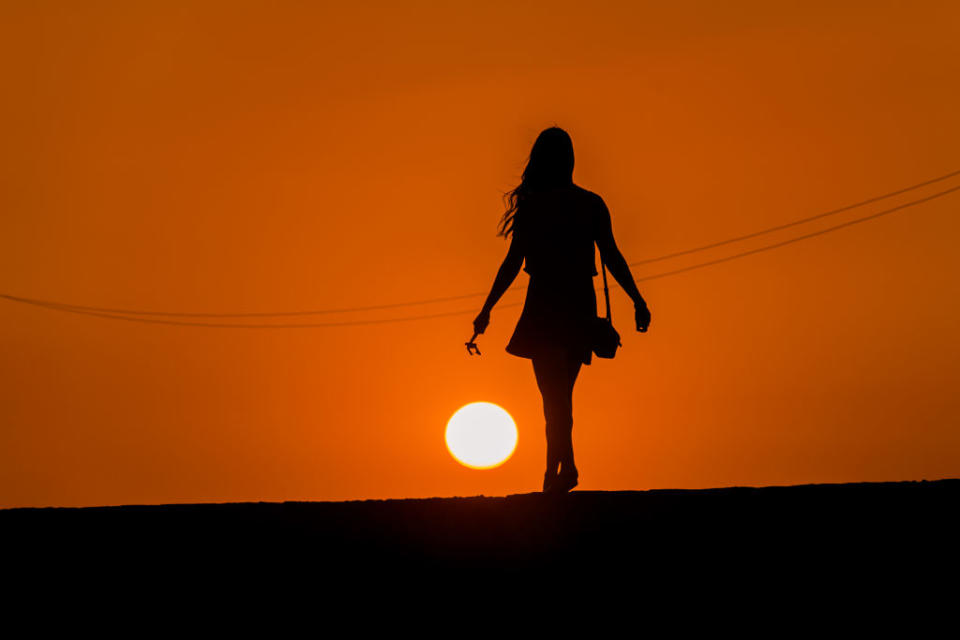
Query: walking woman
[(553, 224)]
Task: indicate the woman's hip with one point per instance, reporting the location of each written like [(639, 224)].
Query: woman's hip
[(577, 295)]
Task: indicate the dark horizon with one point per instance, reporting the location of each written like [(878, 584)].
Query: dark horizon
[(838, 529)]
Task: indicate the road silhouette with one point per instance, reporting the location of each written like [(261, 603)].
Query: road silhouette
[(759, 535)]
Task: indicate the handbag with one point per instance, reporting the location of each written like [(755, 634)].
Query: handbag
[(605, 337)]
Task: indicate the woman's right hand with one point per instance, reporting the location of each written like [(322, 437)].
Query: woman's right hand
[(642, 315), (481, 321)]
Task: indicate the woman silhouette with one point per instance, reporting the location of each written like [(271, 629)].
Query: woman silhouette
[(554, 225)]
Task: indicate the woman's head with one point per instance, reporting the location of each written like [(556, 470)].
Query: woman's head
[(550, 164), (551, 159)]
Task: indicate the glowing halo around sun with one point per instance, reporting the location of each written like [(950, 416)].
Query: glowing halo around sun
[(481, 435)]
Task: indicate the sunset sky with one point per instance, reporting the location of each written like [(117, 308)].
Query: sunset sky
[(219, 157)]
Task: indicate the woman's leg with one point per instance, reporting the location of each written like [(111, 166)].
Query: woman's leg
[(566, 443), (556, 374)]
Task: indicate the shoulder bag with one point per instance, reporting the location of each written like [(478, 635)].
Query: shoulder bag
[(605, 337)]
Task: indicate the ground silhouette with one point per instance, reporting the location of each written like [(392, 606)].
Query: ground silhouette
[(806, 528)]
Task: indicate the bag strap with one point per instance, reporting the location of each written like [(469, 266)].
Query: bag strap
[(606, 291)]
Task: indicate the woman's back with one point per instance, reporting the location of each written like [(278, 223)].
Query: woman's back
[(556, 229)]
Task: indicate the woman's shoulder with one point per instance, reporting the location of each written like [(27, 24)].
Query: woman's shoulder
[(587, 194), (594, 202)]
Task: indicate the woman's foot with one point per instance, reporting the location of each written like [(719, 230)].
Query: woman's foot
[(549, 477), (564, 482)]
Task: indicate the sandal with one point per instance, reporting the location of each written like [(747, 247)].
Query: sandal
[(564, 482)]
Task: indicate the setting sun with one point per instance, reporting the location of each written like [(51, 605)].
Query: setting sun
[(481, 435)]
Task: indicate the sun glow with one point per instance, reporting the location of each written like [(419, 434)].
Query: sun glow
[(481, 435)]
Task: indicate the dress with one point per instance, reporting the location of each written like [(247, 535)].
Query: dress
[(556, 313), (557, 233)]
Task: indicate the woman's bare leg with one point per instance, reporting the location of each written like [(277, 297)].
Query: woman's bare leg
[(556, 374)]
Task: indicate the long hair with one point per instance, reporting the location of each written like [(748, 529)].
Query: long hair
[(550, 164)]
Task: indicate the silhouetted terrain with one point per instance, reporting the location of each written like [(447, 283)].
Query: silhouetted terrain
[(899, 525)]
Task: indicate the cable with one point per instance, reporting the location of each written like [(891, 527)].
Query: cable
[(265, 314), (787, 225), (227, 325), (75, 309), (396, 305), (777, 245)]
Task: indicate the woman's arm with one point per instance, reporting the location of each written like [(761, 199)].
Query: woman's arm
[(618, 266), (505, 276)]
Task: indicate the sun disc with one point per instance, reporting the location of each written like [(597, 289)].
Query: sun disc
[(481, 435)]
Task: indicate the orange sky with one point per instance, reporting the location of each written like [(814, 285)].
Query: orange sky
[(236, 156)]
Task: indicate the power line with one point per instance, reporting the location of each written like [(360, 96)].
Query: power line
[(227, 325), (413, 303), (787, 225), (777, 245), (663, 274)]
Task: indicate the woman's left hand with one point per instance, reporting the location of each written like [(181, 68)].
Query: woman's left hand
[(481, 321), (642, 316)]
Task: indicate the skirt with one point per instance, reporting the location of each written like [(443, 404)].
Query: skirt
[(556, 314)]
